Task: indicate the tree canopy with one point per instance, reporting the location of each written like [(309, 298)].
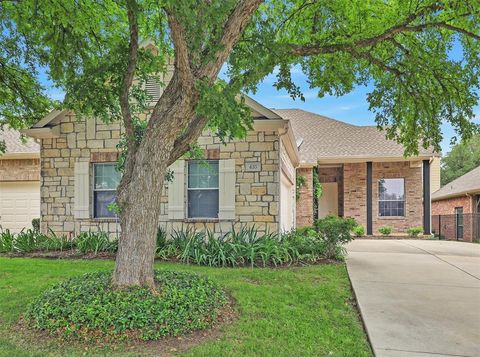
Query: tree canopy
[(403, 47), (463, 157)]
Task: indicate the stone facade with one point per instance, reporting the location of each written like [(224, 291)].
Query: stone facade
[(257, 191), (20, 170)]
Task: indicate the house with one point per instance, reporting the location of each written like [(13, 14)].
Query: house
[(248, 181), (19, 181), (456, 208), (363, 175)]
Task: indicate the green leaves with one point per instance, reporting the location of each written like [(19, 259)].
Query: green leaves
[(463, 157)]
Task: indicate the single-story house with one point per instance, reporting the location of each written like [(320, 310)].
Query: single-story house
[(456, 208), (248, 181), (19, 181)]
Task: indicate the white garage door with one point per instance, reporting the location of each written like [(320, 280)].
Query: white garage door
[(19, 204)]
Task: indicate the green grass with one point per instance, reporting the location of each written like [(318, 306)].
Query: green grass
[(282, 312)]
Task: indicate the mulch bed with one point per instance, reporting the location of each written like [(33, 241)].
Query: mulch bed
[(424, 237)]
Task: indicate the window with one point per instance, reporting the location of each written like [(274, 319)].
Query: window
[(391, 197), (203, 189), (105, 182), (459, 222)]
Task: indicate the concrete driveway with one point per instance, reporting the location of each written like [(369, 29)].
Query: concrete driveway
[(418, 298)]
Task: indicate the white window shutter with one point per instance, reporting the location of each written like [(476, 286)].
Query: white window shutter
[(82, 190), (176, 191), (226, 186)]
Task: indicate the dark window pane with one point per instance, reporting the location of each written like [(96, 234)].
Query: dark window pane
[(101, 201), (203, 203)]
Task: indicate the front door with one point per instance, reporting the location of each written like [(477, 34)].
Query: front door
[(328, 203)]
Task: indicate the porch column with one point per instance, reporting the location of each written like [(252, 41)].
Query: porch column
[(369, 199), (426, 197)]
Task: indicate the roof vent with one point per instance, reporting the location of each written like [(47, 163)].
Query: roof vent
[(152, 86)]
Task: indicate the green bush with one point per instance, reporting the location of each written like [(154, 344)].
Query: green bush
[(86, 306), (415, 231), (7, 239), (36, 224), (95, 242), (335, 231), (359, 231), (385, 230)]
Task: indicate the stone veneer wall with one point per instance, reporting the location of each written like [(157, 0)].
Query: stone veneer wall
[(20, 170), (257, 193), (305, 202), (355, 194)]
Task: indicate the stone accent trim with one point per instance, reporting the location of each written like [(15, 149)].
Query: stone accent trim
[(104, 156)]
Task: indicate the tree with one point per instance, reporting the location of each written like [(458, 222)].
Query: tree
[(91, 49), (463, 158)]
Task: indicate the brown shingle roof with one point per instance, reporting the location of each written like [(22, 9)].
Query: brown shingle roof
[(326, 138), (468, 183), (15, 145)]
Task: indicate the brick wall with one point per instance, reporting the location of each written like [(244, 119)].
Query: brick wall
[(20, 170), (448, 206), (257, 193), (305, 202), (355, 194)]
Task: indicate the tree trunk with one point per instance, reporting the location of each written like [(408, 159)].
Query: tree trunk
[(140, 192)]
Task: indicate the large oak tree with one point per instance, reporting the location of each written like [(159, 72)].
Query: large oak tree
[(91, 49)]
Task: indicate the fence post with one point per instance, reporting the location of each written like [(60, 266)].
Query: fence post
[(439, 226)]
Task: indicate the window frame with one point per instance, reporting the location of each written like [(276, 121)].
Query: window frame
[(459, 227), (94, 213), (383, 200), (188, 189)]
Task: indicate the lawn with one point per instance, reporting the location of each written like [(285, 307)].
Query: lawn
[(282, 312)]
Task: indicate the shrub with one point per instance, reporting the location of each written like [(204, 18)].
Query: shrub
[(87, 306), (415, 231), (95, 242), (359, 231), (335, 231), (245, 246), (385, 230), (36, 224), (6, 241)]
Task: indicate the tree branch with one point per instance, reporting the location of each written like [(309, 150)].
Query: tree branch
[(129, 75), (232, 31), (191, 135), (405, 26)]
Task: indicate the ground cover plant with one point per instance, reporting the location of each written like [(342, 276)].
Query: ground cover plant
[(385, 230), (87, 306), (299, 311), (415, 231)]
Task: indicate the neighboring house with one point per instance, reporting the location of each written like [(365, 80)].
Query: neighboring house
[(362, 174), (456, 208), (19, 181)]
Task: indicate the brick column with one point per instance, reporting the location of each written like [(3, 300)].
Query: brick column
[(305, 202)]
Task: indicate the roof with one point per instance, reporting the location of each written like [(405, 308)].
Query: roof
[(15, 145), (329, 139), (466, 184)]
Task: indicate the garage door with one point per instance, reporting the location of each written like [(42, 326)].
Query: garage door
[(19, 204)]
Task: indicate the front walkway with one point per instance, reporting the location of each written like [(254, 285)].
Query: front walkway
[(418, 298)]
